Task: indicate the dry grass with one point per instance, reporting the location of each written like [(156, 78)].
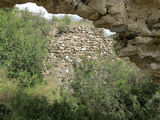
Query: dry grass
[(50, 89), (7, 87)]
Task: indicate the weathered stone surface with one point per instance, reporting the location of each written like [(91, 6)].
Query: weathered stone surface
[(137, 23), (73, 44)]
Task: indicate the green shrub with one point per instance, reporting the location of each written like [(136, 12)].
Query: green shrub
[(27, 107), (4, 111), (54, 19), (120, 96), (65, 20), (61, 28), (23, 45), (123, 94), (62, 22)]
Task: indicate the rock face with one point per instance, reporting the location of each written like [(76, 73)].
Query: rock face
[(73, 44), (137, 23)]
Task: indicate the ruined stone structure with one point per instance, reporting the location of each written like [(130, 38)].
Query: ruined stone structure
[(79, 41), (137, 23), (73, 44)]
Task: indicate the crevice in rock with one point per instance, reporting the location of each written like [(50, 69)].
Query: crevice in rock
[(131, 36), (86, 2)]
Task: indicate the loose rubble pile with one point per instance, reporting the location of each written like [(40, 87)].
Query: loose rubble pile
[(75, 43), (80, 41)]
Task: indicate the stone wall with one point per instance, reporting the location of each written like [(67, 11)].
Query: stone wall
[(73, 44)]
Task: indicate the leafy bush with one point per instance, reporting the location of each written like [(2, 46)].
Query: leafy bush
[(124, 94), (66, 20), (27, 107), (62, 22), (61, 28), (23, 45), (114, 90), (4, 111)]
